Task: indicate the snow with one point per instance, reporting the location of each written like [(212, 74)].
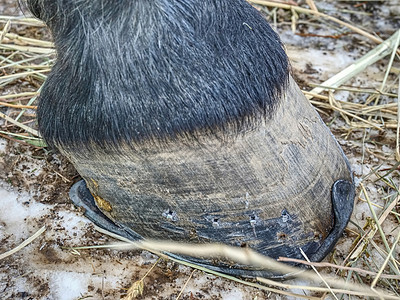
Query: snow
[(325, 62), (19, 213), (67, 275), (73, 223), (63, 274), (67, 285), (3, 144)]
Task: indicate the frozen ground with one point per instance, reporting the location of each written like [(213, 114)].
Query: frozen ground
[(34, 186)]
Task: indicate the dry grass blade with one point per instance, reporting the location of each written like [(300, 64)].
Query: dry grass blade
[(19, 95), (319, 275), (240, 255), (377, 221), (20, 125), (398, 126), (319, 14), (329, 265), (359, 248), (349, 89), (17, 105), (23, 244), (5, 30), (29, 41), (137, 288), (25, 59), (183, 262), (378, 224), (312, 5), (28, 59), (396, 41), (390, 254), (8, 78), (381, 207), (20, 136), (379, 52), (247, 283), (374, 116), (346, 113), (185, 285), (22, 21), (28, 49), (313, 288)]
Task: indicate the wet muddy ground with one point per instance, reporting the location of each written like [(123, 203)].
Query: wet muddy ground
[(34, 182)]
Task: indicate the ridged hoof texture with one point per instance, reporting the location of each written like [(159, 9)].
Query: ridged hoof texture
[(184, 122), (274, 189)]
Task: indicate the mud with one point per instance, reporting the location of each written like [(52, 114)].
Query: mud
[(34, 184)]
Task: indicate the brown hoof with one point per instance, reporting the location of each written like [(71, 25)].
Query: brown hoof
[(269, 189), (183, 120), (342, 202)]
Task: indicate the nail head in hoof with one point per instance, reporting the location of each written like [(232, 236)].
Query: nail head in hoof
[(184, 122)]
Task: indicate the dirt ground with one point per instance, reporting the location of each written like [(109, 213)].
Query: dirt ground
[(34, 181)]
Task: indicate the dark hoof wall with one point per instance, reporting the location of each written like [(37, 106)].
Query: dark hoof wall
[(81, 196), (343, 193)]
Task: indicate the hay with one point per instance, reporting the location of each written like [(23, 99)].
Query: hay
[(23, 244), (27, 60)]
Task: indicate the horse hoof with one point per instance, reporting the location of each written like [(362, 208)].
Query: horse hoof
[(184, 122), (342, 199), (274, 189)]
